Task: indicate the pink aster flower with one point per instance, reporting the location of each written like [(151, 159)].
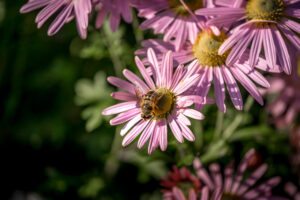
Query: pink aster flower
[(180, 184), (269, 24), (233, 185), (68, 9), (203, 58), (152, 105), (116, 8), (171, 18), (286, 105)]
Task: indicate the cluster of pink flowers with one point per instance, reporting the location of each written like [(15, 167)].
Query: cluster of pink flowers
[(215, 185), (220, 42)]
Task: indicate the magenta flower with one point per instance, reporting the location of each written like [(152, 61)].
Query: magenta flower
[(180, 184), (270, 24), (171, 18), (204, 58), (68, 9), (116, 8), (234, 185), (149, 107)]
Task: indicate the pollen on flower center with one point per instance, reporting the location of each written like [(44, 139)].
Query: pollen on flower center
[(206, 49), (157, 104), (180, 10), (265, 9)]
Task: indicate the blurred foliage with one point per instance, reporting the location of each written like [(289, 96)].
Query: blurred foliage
[(55, 144)]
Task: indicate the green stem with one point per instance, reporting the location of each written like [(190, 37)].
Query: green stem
[(198, 130), (238, 119), (219, 125)]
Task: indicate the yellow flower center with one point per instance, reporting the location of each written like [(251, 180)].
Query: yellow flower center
[(180, 10), (206, 49), (265, 10), (157, 104)]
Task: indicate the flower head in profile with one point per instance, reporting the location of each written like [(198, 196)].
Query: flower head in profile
[(152, 105), (180, 184), (203, 58), (286, 105), (269, 26), (172, 18), (116, 8), (233, 185), (67, 9)]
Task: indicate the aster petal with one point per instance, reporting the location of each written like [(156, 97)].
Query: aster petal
[(135, 80), (250, 181), (253, 74), (177, 193), (144, 73), (192, 195), (175, 128), (219, 89), (114, 21), (154, 140), (283, 53), (293, 12), (291, 24), (269, 46), (184, 119), (167, 69), (47, 12), (241, 169), (123, 96), (233, 89), (264, 188), (60, 20), (177, 77), (291, 36), (121, 107), (186, 84), (100, 17), (235, 37), (239, 48), (216, 174), (217, 194), (202, 174), (255, 47), (130, 124), (121, 84), (204, 85), (33, 5), (154, 64), (220, 11), (193, 114), (124, 117), (163, 139), (134, 132), (248, 84), (204, 193), (186, 132), (228, 177), (146, 134)]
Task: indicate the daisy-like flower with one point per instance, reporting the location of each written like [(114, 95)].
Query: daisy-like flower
[(116, 8), (68, 9), (286, 105), (153, 105), (269, 23), (204, 58), (180, 184), (233, 185), (171, 18)]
